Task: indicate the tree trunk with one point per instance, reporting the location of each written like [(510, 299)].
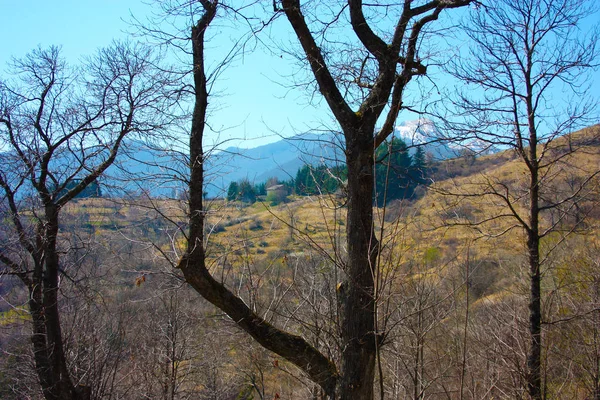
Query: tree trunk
[(534, 380), (358, 304), (49, 355), (534, 358)]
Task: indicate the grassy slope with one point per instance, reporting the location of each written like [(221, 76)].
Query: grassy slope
[(437, 226)]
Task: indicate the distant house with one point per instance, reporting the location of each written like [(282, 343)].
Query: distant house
[(277, 190)]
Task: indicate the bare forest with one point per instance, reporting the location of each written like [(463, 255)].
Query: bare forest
[(384, 270)]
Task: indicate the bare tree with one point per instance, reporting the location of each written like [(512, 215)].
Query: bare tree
[(529, 61), (61, 128), (375, 87)]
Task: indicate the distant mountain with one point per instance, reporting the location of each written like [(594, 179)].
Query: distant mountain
[(423, 133), (439, 146), (281, 159), (139, 169), (142, 169), (159, 172)]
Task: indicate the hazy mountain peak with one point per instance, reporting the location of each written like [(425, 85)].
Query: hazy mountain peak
[(418, 131)]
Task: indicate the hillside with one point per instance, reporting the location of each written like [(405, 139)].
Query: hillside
[(453, 212), (452, 282)]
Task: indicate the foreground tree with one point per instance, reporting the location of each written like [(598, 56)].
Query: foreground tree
[(378, 85), (523, 55), (60, 130)]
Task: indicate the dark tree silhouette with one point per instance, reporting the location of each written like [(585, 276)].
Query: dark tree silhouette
[(60, 129), (530, 61), (387, 69)]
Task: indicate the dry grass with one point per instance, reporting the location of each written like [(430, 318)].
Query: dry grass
[(439, 222)]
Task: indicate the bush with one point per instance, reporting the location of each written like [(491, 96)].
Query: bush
[(275, 198), (482, 276), (216, 228), (255, 225)]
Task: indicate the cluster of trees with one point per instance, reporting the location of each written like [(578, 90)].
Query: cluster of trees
[(397, 175), (245, 191), (354, 306), (316, 180), (248, 193), (309, 181)]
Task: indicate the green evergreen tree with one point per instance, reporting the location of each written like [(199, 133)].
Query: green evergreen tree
[(233, 191), (419, 167), (393, 172), (302, 182), (261, 189), (312, 180), (246, 192)]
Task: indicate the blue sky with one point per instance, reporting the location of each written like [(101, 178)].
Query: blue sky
[(79, 26), (252, 104)]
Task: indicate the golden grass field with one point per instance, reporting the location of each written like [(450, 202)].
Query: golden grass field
[(457, 216)]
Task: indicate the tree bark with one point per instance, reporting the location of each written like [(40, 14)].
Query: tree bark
[(357, 317), (534, 358)]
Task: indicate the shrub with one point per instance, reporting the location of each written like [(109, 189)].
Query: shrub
[(255, 225)]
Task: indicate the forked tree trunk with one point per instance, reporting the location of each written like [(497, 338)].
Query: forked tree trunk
[(354, 378)]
